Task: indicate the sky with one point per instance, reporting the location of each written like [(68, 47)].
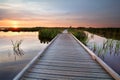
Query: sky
[(60, 13)]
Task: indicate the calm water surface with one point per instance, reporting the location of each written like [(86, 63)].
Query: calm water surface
[(10, 63), (109, 57)]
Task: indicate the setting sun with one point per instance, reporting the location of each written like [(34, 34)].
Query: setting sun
[(15, 24)]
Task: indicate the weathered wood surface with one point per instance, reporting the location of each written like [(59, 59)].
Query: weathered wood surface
[(65, 59)]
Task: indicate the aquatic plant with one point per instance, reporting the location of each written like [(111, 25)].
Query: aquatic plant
[(94, 47), (16, 48), (80, 35), (46, 35), (104, 46), (109, 46), (117, 47)]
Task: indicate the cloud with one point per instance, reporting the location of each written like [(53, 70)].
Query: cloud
[(61, 11)]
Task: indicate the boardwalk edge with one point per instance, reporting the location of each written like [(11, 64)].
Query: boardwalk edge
[(103, 64), (20, 74)]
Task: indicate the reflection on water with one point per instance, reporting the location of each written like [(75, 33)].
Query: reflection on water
[(16, 50), (44, 40), (107, 49)]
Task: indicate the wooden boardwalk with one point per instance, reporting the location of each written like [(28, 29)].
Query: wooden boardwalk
[(65, 59)]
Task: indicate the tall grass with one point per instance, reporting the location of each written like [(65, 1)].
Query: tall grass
[(46, 35), (80, 35), (109, 46), (110, 33)]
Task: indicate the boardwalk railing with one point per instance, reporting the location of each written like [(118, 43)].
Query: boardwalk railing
[(33, 60), (103, 64)]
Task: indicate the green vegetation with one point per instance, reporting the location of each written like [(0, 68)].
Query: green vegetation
[(108, 46), (110, 33), (80, 35), (27, 29), (46, 35)]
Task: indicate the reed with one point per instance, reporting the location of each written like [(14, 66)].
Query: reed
[(46, 35), (117, 47), (109, 46), (16, 48), (110, 33), (80, 35), (94, 47)]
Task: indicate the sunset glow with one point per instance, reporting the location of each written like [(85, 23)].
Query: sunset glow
[(59, 13), (9, 23), (15, 24)]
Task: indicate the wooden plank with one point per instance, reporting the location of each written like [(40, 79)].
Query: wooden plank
[(66, 62), (71, 65), (81, 66), (77, 57), (60, 77), (46, 76), (60, 59), (70, 73), (82, 69), (70, 60), (84, 61)]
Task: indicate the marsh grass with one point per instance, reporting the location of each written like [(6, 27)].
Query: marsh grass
[(94, 47), (80, 35), (109, 46), (110, 33), (117, 47), (46, 35), (17, 51)]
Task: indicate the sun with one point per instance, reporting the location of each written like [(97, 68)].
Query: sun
[(15, 24)]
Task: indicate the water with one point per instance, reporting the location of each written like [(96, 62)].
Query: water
[(109, 56), (10, 63)]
